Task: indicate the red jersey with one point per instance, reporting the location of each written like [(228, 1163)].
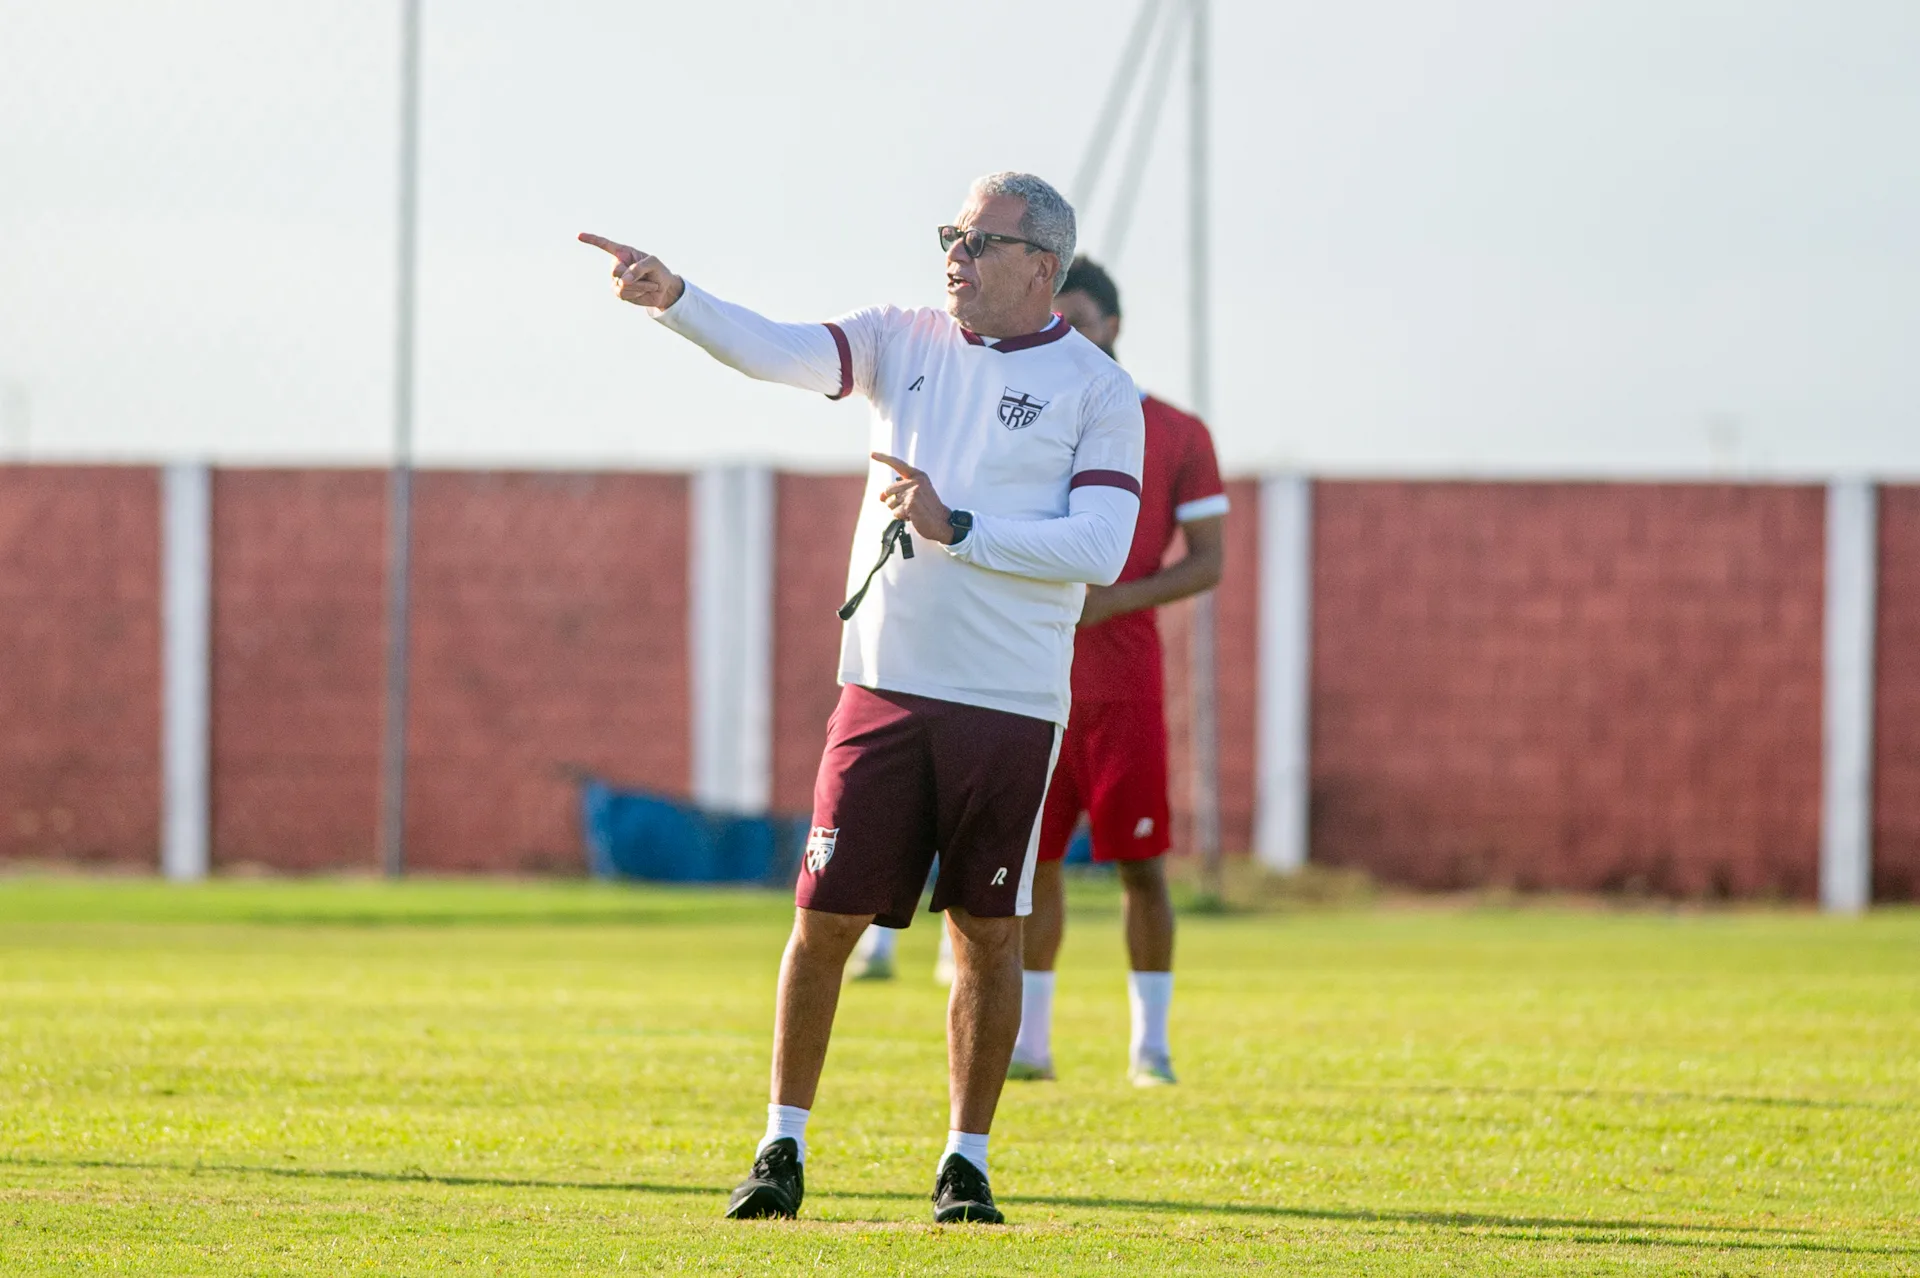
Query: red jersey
[(1119, 659)]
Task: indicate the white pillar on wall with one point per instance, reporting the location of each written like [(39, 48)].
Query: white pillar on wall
[(1846, 790), (731, 636), (1280, 836), (186, 655)]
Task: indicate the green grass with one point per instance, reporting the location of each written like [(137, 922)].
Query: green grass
[(250, 1078)]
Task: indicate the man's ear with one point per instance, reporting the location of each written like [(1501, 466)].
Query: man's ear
[(1049, 271)]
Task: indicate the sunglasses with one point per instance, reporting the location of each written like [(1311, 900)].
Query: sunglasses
[(977, 242)]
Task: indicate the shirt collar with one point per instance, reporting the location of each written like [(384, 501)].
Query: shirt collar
[(1055, 330)]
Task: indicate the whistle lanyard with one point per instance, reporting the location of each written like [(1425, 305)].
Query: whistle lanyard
[(896, 531)]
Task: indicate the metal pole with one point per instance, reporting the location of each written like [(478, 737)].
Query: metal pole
[(1145, 127), (393, 770), (1205, 716), (1098, 145)]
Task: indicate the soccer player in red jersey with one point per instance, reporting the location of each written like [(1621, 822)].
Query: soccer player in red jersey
[(1113, 759)]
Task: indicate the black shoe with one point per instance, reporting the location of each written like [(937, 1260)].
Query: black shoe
[(960, 1193), (774, 1187)]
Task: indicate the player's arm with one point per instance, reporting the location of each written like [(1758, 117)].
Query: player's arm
[(1089, 543), (810, 356), (1193, 573)]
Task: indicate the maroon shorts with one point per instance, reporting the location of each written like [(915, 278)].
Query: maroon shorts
[(1113, 767), (904, 777)]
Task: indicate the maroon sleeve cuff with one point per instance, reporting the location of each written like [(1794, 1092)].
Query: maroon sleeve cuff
[(846, 361), (1105, 479)]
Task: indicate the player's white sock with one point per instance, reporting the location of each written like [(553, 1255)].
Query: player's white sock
[(1150, 995), (971, 1146), (878, 942), (785, 1120), (1034, 1046)]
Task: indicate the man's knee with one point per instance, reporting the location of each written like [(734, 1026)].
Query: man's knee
[(986, 938), (1046, 883), (1148, 876), (819, 933)]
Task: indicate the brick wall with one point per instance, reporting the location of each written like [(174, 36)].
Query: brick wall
[(80, 664), (1896, 782), (1236, 675), (299, 588), (1569, 686), (809, 583), (550, 633), (1582, 686)]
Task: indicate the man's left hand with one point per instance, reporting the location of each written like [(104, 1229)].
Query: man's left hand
[(911, 498)]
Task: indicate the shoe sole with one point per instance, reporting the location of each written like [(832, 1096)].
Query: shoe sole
[(764, 1202), (969, 1214)]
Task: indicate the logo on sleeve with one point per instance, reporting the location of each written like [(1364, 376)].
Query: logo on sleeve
[(1019, 409), (820, 845)]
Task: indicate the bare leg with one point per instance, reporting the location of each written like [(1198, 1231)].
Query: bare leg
[(1045, 927), (983, 1016), (809, 993), (1149, 914)]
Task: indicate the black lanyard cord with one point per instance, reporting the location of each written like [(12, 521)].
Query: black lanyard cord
[(896, 531)]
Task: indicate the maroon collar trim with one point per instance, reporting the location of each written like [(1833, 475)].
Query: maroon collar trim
[(1053, 333)]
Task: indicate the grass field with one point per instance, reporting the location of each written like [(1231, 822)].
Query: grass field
[(252, 1078)]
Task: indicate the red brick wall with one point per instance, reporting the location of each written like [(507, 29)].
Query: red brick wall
[(1236, 673), (1572, 686), (550, 633), (1896, 782), (809, 583), (80, 664), (299, 581), (1546, 685)]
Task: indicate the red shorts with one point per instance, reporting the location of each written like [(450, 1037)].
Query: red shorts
[(1113, 767), (904, 777)]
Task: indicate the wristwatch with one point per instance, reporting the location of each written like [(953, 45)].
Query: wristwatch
[(961, 521)]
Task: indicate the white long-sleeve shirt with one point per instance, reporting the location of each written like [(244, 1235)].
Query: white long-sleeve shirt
[(1040, 436)]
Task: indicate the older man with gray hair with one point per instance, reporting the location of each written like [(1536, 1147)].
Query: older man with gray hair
[(1012, 446)]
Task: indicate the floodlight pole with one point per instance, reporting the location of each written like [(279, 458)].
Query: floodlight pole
[(393, 761), (1204, 719)]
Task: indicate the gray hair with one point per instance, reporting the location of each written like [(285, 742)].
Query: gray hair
[(1048, 221)]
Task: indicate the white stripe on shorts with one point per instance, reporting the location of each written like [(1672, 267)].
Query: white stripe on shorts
[(1023, 903)]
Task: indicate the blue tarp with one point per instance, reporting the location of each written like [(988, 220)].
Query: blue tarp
[(633, 834), (637, 835)]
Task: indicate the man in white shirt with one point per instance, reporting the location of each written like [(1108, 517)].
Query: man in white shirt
[(1012, 448)]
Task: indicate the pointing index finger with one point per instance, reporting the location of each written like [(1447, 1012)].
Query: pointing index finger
[(905, 471), (626, 256)]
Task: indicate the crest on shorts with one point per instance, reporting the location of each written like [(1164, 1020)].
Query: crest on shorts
[(820, 845), (1019, 409)]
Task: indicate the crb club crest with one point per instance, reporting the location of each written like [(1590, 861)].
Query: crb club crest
[(1019, 409), (820, 845)]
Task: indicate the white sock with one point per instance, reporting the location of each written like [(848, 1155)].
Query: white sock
[(878, 942), (970, 1146), (1150, 994), (785, 1120), (1035, 1044)]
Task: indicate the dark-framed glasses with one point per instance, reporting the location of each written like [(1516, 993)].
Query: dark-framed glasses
[(977, 241)]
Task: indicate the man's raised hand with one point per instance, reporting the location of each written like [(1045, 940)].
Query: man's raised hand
[(640, 278)]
